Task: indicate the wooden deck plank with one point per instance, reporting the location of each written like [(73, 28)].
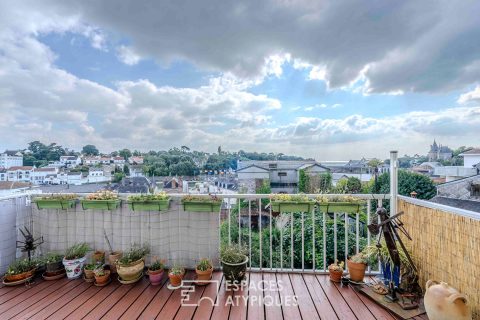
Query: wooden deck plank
[(357, 305), (290, 309), (187, 311), (337, 301), (45, 298), (127, 300), (256, 300), (240, 303), (49, 308), (94, 301), (307, 307), (157, 303), (209, 297), (136, 309), (320, 300), (67, 309), (174, 302), (377, 311), (23, 290), (273, 310), (222, 309)]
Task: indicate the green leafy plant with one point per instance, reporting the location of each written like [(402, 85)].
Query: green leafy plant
[(289, 197), (76, 251), (204, 265), (52, 257), (21, 266), (176, 270), (156, 265), (99, 272), (192, 198), (325, 199), (102, 195), (359, 258), (58, 197), (336, 266), (233, 253), (149, 197), (90, 266), (135, 253)]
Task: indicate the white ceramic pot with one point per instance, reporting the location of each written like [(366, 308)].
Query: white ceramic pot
[(74, 268), (443, 302)]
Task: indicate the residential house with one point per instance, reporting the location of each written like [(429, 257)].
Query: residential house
[(136, 170), (9, 187), (133, 185), (70, 161), (75, 178), (10, 159), (471, 158), (283, 176), (39, 175), (466, 189), (91, 161), (96, 175), (135, 160), (426, 168), (118, 160), (19, 173), (3, 174)]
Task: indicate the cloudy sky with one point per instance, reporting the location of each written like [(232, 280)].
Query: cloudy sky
[(326, 79)]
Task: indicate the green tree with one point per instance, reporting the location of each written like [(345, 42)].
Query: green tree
[(408, 182), (90, 150), (118, 176), (125, 153), (303, 181), (126, 170), (325, 182), (349, 185)]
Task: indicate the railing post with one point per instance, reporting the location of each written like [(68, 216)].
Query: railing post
[(393, 181)]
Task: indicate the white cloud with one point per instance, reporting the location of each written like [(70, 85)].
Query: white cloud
[(127, 55), (471, 96)]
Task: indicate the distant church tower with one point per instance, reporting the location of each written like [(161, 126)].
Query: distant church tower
[(433, 153), (439, 152)]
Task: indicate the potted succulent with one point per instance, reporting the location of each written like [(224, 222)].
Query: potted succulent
[(201, 204), (234, 261), (149, 202), (103, 200), (204, 270), (21, 269), (291, 203), (53, 262), (98, 257), (74, 259), (156, 271), (175, 274), (56, 201), (346, 204), (89, 271), (130, 265), (335, 270), (102, 276), (357, 265)]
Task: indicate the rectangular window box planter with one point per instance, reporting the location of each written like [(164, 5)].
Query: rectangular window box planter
[(55, 204), (152, 205), (340, 207), (292, 206), (201, 206), (101, 204)]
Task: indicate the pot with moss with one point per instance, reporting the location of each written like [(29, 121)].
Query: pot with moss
[(53, 262), (74, 260), (130, 265), (357, 265), (201, 204), (149, 202), (21, 269), (176, 274), (155, 272), (56, 201), (234, 261), (204, 270)]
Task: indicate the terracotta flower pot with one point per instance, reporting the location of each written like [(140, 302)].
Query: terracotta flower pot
[(335, 276), (176, 279), (443, 302), (204, 275), (89, 274), (103, 279), (112, 257), (131, 271), (98, 257), (356, 271), (20, 276), (74, 267), (155, 276)]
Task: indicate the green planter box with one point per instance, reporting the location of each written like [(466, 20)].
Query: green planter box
[(347, 207), (199, 206), (292, 206), (152, 205), (54, 204), (100, 204)]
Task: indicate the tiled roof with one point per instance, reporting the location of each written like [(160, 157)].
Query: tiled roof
[(458, 203), (7, 185), (45, 169), (472, 151), (20, 168)]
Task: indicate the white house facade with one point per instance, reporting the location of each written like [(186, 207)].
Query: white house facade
[(471, 158), (10, 159)]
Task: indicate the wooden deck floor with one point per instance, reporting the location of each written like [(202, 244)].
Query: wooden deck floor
[(318, 298)]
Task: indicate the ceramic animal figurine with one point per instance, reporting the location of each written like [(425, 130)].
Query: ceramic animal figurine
[(443, 302)]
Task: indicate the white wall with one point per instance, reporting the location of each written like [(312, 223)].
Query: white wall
[(470, 160)]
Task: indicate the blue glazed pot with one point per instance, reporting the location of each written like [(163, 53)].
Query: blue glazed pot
[(387, 274)]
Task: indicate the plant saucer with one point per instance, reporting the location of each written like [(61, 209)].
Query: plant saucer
[(48, 276), (202, 282), (103, 284), (89, 280), (169, 286), (16, 283), (130, 281)]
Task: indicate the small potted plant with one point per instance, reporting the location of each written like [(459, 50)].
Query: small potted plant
[(156, 271), (357, 265), (102, 200), (234, 261), (89, 271), (98, 257), (204, 270), (56, 201), (53, 262), (346, 204), (291, 203), (175, 274), (21, 269), (74, 259), (102, 277), (149, 202), (130, 265), (201, 204), (335, 270)]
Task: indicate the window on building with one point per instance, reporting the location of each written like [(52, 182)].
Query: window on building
[(272, 166), (475, 190), (282, 174)]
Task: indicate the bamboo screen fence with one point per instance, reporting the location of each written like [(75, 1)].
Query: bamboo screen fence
[(445, 247)]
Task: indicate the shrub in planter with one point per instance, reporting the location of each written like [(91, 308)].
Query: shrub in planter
[(155, 272), (234, 262), (101, 276), (130, 265), (175, 275), (102, 200), (53, 262), (291, 203), (149, 202), (74, 259), (201, 204), (21, 269), (204, 270), (89, 271), (56, 201), (335, 270), (357, 265)]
